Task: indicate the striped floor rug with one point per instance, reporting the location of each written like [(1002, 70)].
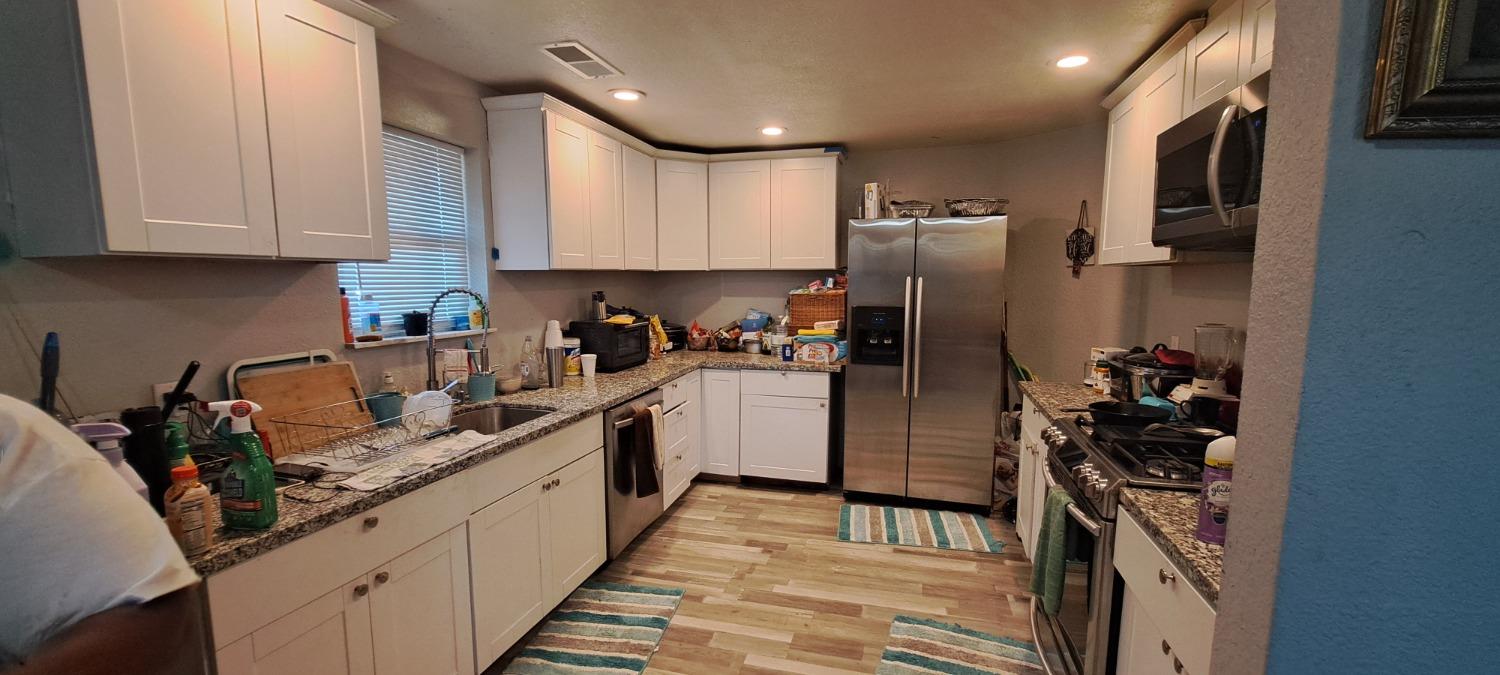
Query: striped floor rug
[(601, 628), (926, 646), (916, 527)]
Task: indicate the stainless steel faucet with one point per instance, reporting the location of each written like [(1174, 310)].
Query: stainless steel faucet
[(484, 334)]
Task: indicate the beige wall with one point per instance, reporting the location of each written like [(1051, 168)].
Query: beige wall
[(1054, 318)]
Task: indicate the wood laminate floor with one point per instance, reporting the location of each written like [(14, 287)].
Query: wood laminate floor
[(771, 589)]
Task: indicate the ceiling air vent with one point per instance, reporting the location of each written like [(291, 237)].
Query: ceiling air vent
[(577, 58)]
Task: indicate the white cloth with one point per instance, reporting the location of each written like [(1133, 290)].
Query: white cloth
[(77, 540), (658, 436)]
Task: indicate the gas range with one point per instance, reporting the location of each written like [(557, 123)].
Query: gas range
[(1093, 461)]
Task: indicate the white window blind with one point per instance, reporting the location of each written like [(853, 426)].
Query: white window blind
[(424, 193)]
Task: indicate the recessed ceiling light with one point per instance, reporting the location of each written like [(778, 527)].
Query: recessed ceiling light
[(1073, 61), (772, 131), (627, 94)]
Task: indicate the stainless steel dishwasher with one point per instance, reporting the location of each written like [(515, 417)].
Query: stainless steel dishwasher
[(628, 514)]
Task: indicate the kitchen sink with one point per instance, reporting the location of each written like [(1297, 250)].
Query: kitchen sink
[(495, 419)]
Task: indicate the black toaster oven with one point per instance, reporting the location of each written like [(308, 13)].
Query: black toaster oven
[(617, 346)]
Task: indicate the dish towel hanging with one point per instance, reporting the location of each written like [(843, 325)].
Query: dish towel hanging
[(1050, 564), (645, 451), (658, 436)]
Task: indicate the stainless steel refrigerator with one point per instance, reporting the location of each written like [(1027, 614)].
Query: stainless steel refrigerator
[(922, 388)]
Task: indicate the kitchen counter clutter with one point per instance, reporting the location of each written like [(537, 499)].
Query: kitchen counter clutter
[(576, 400), (1052, 397), (1170, 518)]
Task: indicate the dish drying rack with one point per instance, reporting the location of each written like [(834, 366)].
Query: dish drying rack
[(346, 436)]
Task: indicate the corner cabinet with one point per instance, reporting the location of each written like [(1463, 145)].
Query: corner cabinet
[(721, 422), (233, 129), (572, 192)]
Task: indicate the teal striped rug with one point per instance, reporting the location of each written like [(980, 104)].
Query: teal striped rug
[(926, 646), (916, 527), (601, 628)]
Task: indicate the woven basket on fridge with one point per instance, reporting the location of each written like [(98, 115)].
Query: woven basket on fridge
[(807, 309)]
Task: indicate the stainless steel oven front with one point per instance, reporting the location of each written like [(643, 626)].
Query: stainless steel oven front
[(1079, 639)]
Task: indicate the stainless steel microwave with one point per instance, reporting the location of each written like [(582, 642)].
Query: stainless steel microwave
[(1208, 170)]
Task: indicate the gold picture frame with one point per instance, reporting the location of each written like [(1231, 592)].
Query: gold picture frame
[(1438, 72)]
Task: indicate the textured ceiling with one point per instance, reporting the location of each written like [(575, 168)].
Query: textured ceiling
[(863, 73)]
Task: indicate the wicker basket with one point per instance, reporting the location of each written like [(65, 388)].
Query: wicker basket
[(807, 309)]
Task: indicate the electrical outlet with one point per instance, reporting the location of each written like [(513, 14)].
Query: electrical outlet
[(1174, 342), (159, 392)]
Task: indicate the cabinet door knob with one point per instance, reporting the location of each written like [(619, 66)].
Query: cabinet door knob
[(382, 577), (371, 522), (556, 482), (1165, 648), (546, 486), (1164, 576), (361, 590), (1176, 665)]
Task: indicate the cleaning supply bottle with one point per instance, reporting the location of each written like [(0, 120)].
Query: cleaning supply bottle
[(189, 511), (344, 310), (105, 436), (247, 498), (1213, 504), (177, 445)]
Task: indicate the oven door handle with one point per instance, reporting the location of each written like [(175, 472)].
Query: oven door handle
[(1216, 153), (1088, 523), (1036, 637)]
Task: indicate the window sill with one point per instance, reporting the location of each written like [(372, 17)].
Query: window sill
[(393, 340)]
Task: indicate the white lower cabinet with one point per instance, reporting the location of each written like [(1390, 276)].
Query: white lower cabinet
[(532, 548), (784, 437), (721, 422), (1031, 490), (410, 615), (1166, 626)]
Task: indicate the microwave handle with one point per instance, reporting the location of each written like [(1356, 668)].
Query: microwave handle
[(1215, 153)]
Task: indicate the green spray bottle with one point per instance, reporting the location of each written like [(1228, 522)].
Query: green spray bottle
[(247, 497)]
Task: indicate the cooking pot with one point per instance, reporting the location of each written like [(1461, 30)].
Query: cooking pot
[(1150, 376)]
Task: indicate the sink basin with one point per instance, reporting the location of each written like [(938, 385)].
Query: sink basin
[(495, 419)]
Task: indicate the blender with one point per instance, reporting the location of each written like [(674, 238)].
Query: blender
[(1213, 348)]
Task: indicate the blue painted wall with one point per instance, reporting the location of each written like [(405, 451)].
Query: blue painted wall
[(1391, 551)]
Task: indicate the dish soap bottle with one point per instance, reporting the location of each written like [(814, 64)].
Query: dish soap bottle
[(189, 515), (1213, 504), (105, 437), (177, 445), (247, 498)]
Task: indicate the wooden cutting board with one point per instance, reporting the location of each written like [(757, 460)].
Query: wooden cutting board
[(285, 394)]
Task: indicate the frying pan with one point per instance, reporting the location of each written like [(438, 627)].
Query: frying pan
[(1124, 414)]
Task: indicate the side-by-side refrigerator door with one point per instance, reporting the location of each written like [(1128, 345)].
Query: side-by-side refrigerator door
[(876, 380), (956, 360)]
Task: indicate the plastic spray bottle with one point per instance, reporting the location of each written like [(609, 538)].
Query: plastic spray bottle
[(247, 498), (105, 436), (177, 445), (1213, 504)]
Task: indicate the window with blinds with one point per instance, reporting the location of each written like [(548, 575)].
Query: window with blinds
[(424, 192)]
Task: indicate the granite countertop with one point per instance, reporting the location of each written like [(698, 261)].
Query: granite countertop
[(1170, 518), (575, 400), (1052, 397)]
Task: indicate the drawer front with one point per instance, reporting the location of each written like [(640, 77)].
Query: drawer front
[(254, 593), (1032, 419), (1186, 620), (680, 390), (783, 383), (678, 423)]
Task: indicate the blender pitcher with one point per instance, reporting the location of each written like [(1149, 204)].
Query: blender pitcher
[(1213, 346)]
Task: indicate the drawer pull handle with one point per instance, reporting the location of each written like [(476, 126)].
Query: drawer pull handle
[(556, 482), (1165, 648), (1176, 665), (371, 522), (546, 487), (382, 577), (361, 590), (1164, 576)]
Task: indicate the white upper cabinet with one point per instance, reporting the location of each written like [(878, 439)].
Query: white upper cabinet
[(682, 214), (1213, 60), (606, 203), (803, 222), (1257, 31), (572, 192), (323, 107), (739, 214), (1160, 108), (1124, 160), (569, 193), (211, 128), (639, 172)]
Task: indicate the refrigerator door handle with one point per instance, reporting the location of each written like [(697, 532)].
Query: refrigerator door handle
[(916, 347), (906, 337)]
